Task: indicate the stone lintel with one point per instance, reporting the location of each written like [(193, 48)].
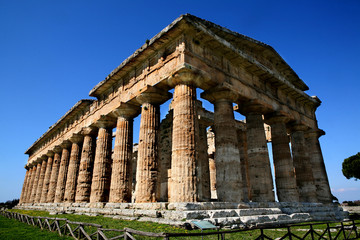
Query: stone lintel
[(153, 95), (252, 106)]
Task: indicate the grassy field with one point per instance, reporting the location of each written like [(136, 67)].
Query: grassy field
[(13, 229), (142, 226)]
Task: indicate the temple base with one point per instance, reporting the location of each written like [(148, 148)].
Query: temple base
[(224, 214)]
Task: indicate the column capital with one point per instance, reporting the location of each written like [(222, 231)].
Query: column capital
[(295, 127), (220, 93), (88, 131), (314, 133), (76, 138), (50, 153), (57, 149), (105, 122), (190, 75), (153, 95), (275, 118), (251, 107), (126, 110), (65, 144)]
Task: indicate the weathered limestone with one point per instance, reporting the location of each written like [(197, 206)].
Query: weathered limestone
[(47, 178), (30, 184), (100, 186), (73, 169), (261, 185), (41, 179), (147, 162), (121, 176), (177, 163), (227, 157), (302, 164), (203, 170), (242, 143), (83, 189), (54, 175), (318, 167), (183, 160), (23, 191), (64, 164), (283, 164), (35, 183)]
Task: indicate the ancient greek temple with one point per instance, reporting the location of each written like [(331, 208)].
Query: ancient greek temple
[(193, 159)]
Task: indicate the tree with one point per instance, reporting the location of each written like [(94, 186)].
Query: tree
[(351, 167)]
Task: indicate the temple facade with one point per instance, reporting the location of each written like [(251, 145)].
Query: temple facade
[(192, 155)]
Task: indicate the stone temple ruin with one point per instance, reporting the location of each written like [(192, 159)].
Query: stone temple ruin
[(182, 169)]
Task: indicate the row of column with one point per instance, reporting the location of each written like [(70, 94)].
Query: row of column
[(71, 172)]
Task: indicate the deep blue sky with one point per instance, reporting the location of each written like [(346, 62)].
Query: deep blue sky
[(52, 53)]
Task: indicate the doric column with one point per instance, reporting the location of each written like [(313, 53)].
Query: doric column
[(147, 165), (227, 156), (41, 179), (261, 183), (203, 171), (121, 176), (64, 164), (30, 183), (183, 159), (318, 167), (46, 183), (83, 188), (283, 164), (100, 186), (54, 175), (35, 183), (23, 191), (73, 169), (302, 164), (242, 144)]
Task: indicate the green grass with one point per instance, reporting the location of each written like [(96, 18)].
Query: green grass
[(13, 229), (154, 227)]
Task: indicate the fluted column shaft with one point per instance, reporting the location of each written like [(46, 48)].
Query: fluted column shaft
[(30, 184), (302, 164), (61, 181), (261, 183), (46, 183), (283, 164), (241, 134), (23, 191), (147, 166), (35, 183), (318, 166), (227, 156), (102, 166), (83, 189), (53, 178), (203, 170), (183, 159), (41, 181), (121, 177), (73, 170)]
